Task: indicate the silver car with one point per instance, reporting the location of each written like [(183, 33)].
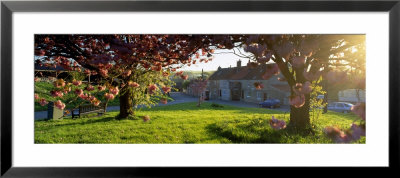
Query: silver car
[(340, 107)]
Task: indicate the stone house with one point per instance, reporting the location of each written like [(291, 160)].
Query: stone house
[(237, 84), (352, 95)]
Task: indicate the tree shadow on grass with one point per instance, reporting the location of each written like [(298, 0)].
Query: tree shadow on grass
[(192, 106), (84, 121), (250, 132)]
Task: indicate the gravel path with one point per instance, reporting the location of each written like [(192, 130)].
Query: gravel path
[(179, 98)]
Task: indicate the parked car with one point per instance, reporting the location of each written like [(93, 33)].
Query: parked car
[(340, 107), (271, 103)]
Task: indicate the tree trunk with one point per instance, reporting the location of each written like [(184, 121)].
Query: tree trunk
[(325, 102), (300, 117), (325, 99), (198, 104), (126, 105)]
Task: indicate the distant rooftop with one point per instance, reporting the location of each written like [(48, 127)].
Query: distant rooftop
[(240, 73), (58, 68)]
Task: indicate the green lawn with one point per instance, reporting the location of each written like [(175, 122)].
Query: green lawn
[(43, 90), (185, 123)]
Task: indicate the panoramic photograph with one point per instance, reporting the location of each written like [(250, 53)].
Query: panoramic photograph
[(199, 88)]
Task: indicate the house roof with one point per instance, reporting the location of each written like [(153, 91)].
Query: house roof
[(240, 73), (58, 68)]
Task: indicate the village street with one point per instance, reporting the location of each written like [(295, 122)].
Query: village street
[(180, 98)]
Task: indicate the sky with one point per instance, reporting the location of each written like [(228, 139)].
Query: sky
[(221, 57)]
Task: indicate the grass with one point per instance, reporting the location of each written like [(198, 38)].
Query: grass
[(43, 90), (185, 123)]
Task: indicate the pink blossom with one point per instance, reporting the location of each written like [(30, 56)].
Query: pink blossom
[(109, 96), (66, 89), (78, 92), (277, 124), (300, 89), (127, 73), (264, 59), (298, 61), (103, 72), (332, 131), (163, 101), (114, 90), (356, 131), (285, 50), (90, 88), (109, 66), (156, 68), (152, 88), (101, 88), (336, 134), (91, 98), (184, 77), (96, 102), (256, 49), (343, 138), (165, 74), (270, 71), (56, 94), (41, 52), (146, 118), (87, 72), (59, 104), (84, 96), (59, 83), (36, 96), (43, 102), (36, 79), (359, 110), (179, 73), (133, 84), (76, 82), (297, 100), (283, 79), (166, 89), (258, 85)]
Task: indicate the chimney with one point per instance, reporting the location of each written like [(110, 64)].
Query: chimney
[(239, 64)]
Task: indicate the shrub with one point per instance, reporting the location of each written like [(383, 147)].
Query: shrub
[(215, 105)]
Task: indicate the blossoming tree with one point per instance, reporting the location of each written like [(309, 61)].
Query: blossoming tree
[(198, 88), (303, 59), (135, 67)]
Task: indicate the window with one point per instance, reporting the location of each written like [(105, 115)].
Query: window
[(242, 94), (339, 105), (220, 93), (258, 95)]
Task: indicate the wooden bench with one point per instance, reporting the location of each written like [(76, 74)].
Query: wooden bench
[(89, 109)]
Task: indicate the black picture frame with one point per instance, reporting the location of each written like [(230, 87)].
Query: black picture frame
[(8, 7)]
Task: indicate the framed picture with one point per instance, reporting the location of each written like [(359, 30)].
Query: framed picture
[(136, 88)]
